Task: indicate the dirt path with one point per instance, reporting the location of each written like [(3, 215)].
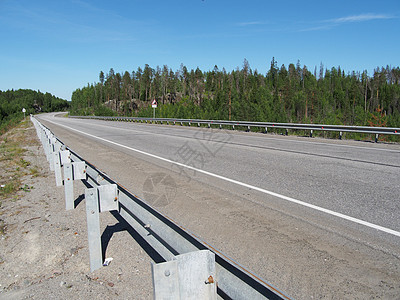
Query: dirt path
[(43, 247)]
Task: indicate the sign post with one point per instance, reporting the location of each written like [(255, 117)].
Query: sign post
[(24, 111), (154, 106)]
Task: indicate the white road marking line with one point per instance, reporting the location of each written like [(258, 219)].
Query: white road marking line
[(299, 202)]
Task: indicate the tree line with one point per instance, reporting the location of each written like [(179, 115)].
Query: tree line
[(283, 94), (13, 101)]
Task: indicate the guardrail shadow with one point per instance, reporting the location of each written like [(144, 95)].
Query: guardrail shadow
[(122, 225), (79, 200)]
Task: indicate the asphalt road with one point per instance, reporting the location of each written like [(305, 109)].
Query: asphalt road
[(339, 197)]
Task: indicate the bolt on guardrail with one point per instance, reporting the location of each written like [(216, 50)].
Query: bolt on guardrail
[(188, 268)]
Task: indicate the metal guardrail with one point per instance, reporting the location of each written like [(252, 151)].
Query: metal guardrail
[(293, 126), (163, 235)]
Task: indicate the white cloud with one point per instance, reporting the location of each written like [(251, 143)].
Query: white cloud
[(243, 24), (360, 18), (331, 23)]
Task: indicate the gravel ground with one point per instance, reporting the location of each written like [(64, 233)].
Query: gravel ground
[(43, 248)]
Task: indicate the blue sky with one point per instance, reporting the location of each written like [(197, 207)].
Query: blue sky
[(59, 46)]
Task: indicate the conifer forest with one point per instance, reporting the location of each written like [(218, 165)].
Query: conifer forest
[(281, 94), (13, 101)]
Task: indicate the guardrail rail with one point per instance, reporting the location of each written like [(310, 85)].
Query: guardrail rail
[(169, 240), (265, 125)]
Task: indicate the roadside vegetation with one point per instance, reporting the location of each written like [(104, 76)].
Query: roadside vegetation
[(287, 94), (12, 102), (13, 164)]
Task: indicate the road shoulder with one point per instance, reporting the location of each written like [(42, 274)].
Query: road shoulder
[(43, 247)]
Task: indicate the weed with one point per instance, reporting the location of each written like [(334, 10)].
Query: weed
[(24, 163), (9, 188), (3, 227), (12, 162), (26, 188), (34, 172)]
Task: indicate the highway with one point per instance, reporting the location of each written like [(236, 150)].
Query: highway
[(317, 218)]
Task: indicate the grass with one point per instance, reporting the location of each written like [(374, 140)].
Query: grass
[(3, 227), (23, 163), (6, 126), (10, 188), (34, 172), (14, 166), (26, 188), (12, 161)]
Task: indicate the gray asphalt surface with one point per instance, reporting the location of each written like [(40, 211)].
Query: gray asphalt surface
[(357, 179)]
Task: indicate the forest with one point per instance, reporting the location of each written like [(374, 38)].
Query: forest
[(281, 94), (12, 102)]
